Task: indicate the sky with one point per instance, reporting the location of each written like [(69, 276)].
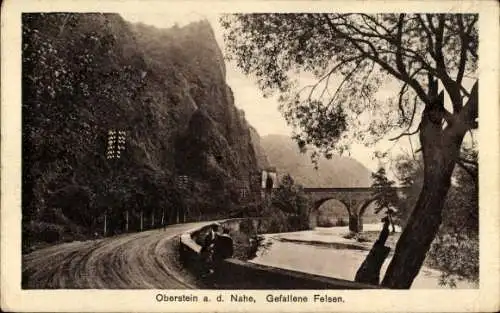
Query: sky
[(262, 113)]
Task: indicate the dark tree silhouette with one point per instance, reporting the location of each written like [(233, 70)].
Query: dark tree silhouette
[(386, 196), (289, 197)]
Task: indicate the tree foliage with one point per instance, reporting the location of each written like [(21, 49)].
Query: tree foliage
[(85, 74), (350, 56), (290, 198), (75, 87), (353, 57), (383, 191)]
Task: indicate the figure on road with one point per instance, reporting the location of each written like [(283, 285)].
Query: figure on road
[(209, 240), (207, 250), (223, 248)]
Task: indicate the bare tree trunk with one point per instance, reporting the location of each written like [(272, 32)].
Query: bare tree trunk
[(105, 225), (440, 149), (353, 223), (360, 223), (141, 221), (369, 271), (417, 237)]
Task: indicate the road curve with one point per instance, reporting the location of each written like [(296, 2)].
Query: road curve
[(145, 260)]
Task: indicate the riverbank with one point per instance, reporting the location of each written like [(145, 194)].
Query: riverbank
[(326, 251)]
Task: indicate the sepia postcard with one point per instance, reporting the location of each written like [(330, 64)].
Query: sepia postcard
[(250, 156)]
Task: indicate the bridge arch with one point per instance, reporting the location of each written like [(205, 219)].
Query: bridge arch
[(362, 209), (318, 211), (318, 203), (365, 205)]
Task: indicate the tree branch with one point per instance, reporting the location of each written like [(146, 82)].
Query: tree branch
[(367, 77), (412, 82), (400, 100), (343, 81), (327, 75), (451, 86), (399, 43), (342, 28), (406, 134), (464, 43), (469, 113), (372, 19), (428, 33)]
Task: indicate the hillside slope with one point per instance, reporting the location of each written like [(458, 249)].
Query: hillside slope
[(86, 74), (283, 153)]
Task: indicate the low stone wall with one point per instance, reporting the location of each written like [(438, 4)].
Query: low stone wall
[(237, 274)]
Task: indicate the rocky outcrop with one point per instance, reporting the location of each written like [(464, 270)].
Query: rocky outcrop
[(86, 74), (261, 155)]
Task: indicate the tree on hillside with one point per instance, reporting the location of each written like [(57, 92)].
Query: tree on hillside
[(290, 198), (386, 196), (76, 85), (350, 57)]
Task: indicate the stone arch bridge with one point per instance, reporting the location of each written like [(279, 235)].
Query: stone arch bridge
[(355, 199)]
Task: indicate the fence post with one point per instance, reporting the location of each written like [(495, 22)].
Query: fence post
[(126, 221), (105, 225)]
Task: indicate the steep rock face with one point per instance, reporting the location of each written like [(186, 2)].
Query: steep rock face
[(214, 147), (261, 155), (86, 74)]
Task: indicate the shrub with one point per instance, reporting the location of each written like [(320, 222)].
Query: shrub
[(256, 242), (341, 222), (359, 237), (246, 226), (37, 233), (330, 222), (275, 222), (325, 222), (297, 222), (350, 235), (457, 256)]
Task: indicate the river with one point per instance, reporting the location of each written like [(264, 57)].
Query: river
[(323, 252)]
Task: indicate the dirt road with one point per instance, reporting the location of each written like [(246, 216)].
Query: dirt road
[(143, 260)]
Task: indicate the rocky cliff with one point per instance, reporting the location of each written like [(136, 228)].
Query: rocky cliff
[(261, 155), (87, 74)]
